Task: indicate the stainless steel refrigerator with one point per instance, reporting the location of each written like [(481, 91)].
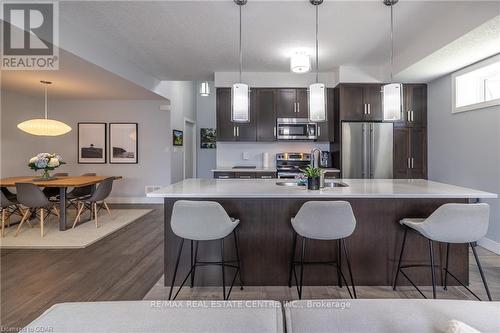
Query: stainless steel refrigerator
[(367, 150)]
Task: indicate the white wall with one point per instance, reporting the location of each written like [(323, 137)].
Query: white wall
[(205, 118), (464, 149), (154, 139)]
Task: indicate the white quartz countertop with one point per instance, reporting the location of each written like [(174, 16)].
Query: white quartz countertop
[(357, 188)]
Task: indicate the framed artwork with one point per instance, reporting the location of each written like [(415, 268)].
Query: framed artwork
[(91, 143), (123, 143), (207, 138), (178, 137)]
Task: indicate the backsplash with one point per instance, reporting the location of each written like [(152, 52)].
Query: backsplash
[(234, 153)]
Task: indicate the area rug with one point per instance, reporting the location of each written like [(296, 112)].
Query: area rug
[(81, 236)]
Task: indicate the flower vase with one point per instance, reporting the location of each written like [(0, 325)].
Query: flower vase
[(313, 183), (45, 174)]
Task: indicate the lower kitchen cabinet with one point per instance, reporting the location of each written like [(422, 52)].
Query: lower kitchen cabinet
[(223, 175), (410, 152)]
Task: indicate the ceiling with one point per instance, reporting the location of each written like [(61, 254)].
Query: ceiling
[(190, 40), (75, 79)]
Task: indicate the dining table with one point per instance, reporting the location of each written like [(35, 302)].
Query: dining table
[(61, 182)]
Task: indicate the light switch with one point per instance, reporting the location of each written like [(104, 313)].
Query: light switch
[(246, 156)]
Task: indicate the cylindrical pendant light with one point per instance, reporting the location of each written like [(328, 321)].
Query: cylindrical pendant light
[(44, 126), (317, 91), (392, 93), (204, 89), (240, 92)]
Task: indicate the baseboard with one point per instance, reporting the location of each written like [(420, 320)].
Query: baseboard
[(489, 244), (134, 200)]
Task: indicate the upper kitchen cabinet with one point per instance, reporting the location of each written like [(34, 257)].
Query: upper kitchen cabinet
[(292, 103), (264, 104), (326, 129), (415, 104), (228, 130), (360, 102)]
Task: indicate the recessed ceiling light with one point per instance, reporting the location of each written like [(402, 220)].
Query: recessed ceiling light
[(300, 62)]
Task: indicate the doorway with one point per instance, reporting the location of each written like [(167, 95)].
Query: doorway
[(189, 149)]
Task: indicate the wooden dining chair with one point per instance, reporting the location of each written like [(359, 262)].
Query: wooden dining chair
[(36, 203), (9, 207)]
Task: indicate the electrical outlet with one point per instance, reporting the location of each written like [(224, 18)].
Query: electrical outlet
[(151, 188), (246, 156)]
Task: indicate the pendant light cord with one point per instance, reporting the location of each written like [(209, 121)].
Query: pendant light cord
[(392, 42), (45, 89), (241, 53), (317, 62)]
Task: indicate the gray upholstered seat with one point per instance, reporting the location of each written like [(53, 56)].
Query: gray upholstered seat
[(453, 223), (389, 315), (162, 316), (326, 220), (323, 220), (201, 220)]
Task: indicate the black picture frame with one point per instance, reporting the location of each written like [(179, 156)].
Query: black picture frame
[(178, 138), (123, 155), (91, 152)]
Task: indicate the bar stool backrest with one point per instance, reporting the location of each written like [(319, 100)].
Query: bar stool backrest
[(31, 196), (103, 190), (458, 223), (4, 201), (200, 220), (327, 220)]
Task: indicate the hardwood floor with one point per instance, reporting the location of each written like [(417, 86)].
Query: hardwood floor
[(123, 266), (128, 265)]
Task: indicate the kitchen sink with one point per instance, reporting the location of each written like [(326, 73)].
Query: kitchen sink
[(327, 184)]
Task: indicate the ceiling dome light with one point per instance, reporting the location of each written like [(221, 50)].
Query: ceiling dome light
[(300, 62), (44, 126)]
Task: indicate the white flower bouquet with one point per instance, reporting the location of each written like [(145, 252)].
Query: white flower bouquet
[(46, 162)]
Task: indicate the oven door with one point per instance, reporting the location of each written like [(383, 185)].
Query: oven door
[(296, 129)]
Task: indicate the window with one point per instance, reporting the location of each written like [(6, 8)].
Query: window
[(477, 86)]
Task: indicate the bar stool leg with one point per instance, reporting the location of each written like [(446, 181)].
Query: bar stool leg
[(339, 263), (473, 246), (176, 267), (302, 255), (445, 284), (400, 258), (223, 272), (238, 258), (431, 253), (195, 262), (292, 259), (349, 268), (192, 264)]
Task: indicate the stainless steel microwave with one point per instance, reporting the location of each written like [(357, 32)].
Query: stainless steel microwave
[(296, 129)]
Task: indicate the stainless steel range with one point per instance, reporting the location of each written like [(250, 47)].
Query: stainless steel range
[(288, 165)]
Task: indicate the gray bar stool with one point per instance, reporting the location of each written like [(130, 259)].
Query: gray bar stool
[(323, 220), (451, 224), (204, 221)]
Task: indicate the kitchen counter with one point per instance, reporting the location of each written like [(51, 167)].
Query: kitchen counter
[(266, 235), (357, 188)]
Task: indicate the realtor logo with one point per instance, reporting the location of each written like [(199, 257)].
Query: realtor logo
[(30, 36)]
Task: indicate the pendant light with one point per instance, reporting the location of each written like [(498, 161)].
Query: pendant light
[(44, 126), (393, 92), (240, 93), (317, 91), (204, 89)]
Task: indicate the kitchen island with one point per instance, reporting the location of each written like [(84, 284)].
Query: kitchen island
[(266, 235)]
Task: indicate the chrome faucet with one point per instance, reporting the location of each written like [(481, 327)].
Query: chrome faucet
[(315, 163)]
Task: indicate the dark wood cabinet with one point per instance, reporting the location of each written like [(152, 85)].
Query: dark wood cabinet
[(360, 102), (223, 175), (410, 152), (292, 103), (228, 130), (264, 103), (415, 104)]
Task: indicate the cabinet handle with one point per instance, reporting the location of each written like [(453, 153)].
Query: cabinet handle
[(298, 107), (265, 177), (245, 177), (409, 163), (238, 131), (223, 177), (369, 108), (412, 114), (319, 130), (294, 107), (274, 130), (365, 108), (234, 130), (408, 115), (412, 162)]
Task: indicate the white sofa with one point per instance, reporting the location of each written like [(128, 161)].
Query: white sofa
[(389, 315), (161, 316)]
